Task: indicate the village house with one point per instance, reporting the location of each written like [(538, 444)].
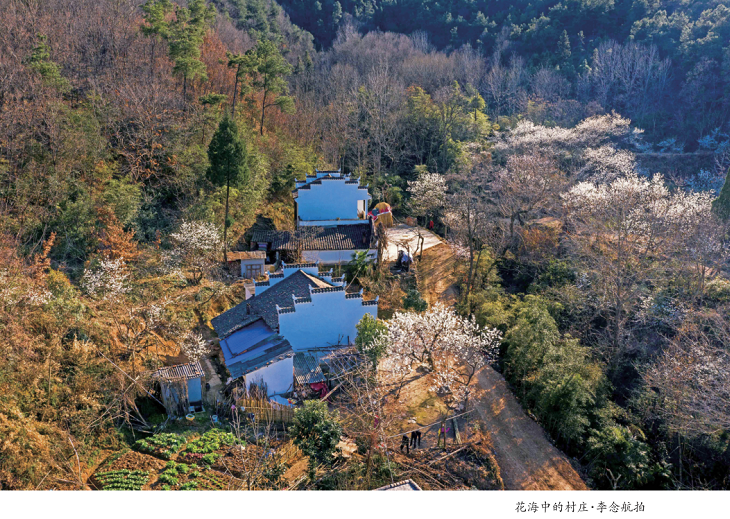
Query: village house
[(296, 315), (332, 224)]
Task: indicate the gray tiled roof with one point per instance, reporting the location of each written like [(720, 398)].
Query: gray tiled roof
[(406, 484), (187, 371), (340, 237), (273, 349), (338, 360), (264, 304), (328, 175)]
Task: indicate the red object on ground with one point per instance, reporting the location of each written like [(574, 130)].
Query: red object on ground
[(319, 387)]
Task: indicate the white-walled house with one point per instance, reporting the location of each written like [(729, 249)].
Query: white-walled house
[(330, 198), (296, 310), (332, 224), (327, 245)]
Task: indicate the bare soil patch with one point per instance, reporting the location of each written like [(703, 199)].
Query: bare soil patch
[(527, 459)]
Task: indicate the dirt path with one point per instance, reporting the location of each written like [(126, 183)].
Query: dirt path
[(436, 277), (528, 461)]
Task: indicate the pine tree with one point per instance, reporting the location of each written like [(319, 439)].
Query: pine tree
[(228, 165), (270, 78), (336, 14), (564, 46), (243, 64), (155, 15), (187, 32), (40, 62)]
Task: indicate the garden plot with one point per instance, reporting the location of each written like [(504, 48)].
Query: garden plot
[(163, 445), (123, 479), (126, 470), (179, 476), (207, 449)]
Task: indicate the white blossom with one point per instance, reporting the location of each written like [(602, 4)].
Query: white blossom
[(428, 193), (606, 163), (109, 279), (449, 346), (194, 346), (591, 132), (15, 291), (195, 245)]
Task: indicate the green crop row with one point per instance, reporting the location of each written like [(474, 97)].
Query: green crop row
[(210, 442), (123, 479), (163, 445)]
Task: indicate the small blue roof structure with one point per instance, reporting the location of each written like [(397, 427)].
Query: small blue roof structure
[(253, 347)]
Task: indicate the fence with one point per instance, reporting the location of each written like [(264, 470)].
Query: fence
[(265, 411)]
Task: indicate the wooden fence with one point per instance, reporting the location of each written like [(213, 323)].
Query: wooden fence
[(265, 411)]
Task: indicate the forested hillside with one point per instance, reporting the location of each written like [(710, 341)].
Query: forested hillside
[(664, 64), (571, 153)]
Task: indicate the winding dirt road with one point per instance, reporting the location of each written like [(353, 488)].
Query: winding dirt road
[(527, 460)]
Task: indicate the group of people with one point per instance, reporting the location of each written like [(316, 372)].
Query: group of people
[(415, 439)]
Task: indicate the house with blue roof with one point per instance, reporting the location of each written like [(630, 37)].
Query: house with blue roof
[(298, 311)]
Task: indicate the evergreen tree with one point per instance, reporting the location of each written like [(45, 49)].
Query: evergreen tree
[(316, 432), (40, 61), (228, 164), (155, 15), (369, 341), (244, 64), (187, 32), (270, 77), (336, 14), (721, 205), (564, 46)]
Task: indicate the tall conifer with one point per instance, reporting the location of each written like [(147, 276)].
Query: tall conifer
[(228, 165)]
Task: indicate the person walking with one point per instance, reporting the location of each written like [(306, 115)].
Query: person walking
[(443, 430)]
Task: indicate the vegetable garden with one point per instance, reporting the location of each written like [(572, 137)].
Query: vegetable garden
[(122, 479), (163, 445)]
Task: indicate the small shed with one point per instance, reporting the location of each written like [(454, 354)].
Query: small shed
[(181, 387), (252, 262)]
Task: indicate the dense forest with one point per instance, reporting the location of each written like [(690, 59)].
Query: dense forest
[(664, 64), (574, 153)]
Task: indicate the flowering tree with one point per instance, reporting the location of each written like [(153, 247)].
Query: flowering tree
[(194, 346), (691, 377), (108, 280), (525, 189), (598, 148), (428, 193), (449, 346), (621, 228), (606, 163), (194, 248), (589, 133)]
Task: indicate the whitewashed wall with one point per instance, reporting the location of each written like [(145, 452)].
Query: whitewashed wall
[(332, 199), (285, 272), (278, 376), (335, 257), (330, 318), (257, 261)]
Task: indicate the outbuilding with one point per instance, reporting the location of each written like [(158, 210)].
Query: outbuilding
[(251, 263)]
